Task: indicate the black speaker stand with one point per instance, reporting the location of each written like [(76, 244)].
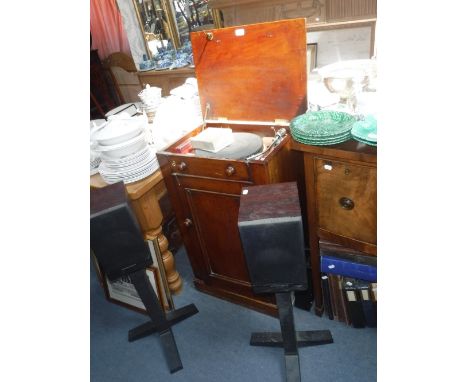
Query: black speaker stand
[(160, 322), (289, 338)]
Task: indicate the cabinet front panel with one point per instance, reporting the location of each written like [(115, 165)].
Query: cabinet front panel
[(215, 220), (346, 199)]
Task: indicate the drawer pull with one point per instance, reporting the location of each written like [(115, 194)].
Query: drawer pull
[(188, 222), (230, 170), (346, 203), (182, 166)]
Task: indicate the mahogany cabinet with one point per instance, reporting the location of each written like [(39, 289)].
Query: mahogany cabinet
[(205, 193), (341, 193), (251, 79)]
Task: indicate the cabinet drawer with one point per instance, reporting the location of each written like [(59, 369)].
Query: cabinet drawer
[(346, 199), (212, 168)]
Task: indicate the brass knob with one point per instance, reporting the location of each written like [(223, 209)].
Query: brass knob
[(346, 203), (182, 166), (347, 171), (230, 170), (188, 222)]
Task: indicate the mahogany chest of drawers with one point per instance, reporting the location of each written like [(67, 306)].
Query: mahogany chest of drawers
[(341, 193)]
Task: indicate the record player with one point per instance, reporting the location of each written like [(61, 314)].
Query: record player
[(251, 79)]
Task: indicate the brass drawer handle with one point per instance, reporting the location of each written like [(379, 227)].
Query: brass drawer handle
[(230, 170), (346, 203), (182, 166), (188, 222)]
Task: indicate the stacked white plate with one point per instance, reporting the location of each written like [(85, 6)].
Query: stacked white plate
[(94, 162), (94, 158), (130, 168), (124, 152)]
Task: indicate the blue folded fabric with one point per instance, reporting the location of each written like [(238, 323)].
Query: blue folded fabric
[(348, 268)]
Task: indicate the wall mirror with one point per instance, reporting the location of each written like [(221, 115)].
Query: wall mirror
[(166, 26)]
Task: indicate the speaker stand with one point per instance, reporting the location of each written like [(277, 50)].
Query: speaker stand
[(289, 339), (160, 322)]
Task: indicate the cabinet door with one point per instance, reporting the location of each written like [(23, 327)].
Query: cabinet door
[(212, 239), (347, 199)]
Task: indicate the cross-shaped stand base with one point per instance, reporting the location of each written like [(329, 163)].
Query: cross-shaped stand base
[(160, 322), (289, 338)]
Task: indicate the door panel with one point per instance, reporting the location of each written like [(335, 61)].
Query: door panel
[(215, 221)]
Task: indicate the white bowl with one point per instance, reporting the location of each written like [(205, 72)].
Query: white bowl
[(119, 131), (123, 149)]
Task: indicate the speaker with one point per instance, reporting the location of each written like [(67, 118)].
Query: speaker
[(115, 235), (270, 227)]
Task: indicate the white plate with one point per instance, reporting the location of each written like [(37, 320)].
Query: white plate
[(131, 179), (127, 173), (137, 167), (118, 131), (135, 156), (108, 148)]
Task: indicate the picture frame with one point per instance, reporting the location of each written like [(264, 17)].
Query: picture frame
[(123, 293)]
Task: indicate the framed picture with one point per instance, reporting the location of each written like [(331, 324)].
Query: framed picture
[(311, 57), (122, 291)]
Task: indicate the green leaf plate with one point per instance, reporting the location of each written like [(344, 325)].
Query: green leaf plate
[(323, 123)]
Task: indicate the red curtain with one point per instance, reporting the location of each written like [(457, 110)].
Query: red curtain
[(107, 30)]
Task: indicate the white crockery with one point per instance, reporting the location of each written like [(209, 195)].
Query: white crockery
[(118, 131), (124, 149)]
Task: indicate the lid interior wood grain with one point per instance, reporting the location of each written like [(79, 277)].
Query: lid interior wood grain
[(253, 72)]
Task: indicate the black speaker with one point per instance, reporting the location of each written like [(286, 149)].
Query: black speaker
[(270, 227), (115, 235)]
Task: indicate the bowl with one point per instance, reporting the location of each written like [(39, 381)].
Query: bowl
[(119, 130)]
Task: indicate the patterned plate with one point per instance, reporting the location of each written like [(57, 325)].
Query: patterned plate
[(322, 124), (366, 129), (323, 142), (365, 142)]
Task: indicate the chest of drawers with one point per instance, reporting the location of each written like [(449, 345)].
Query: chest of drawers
[(341, 194)]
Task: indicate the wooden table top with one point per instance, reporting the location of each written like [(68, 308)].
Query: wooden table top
[(135, 189)]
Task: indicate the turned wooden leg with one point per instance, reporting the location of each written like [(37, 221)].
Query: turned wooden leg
[(172, 276)]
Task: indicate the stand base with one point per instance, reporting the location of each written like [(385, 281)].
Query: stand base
[(173, 317), (303, 338), (289, 339), (160, 322)]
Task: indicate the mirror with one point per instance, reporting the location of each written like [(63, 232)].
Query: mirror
[(166, 26)]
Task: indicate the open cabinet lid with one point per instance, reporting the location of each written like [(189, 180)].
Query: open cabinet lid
[(253, 72)]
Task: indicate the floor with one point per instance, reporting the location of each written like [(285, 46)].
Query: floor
[(214, 344)]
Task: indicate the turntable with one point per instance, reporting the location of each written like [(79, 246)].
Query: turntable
[(251, 79)]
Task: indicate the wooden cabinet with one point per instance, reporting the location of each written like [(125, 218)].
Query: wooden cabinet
[(249, 80), (205, 193), (341, 193)]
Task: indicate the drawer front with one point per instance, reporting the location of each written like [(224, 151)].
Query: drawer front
[(346, 199), (210, 168)]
